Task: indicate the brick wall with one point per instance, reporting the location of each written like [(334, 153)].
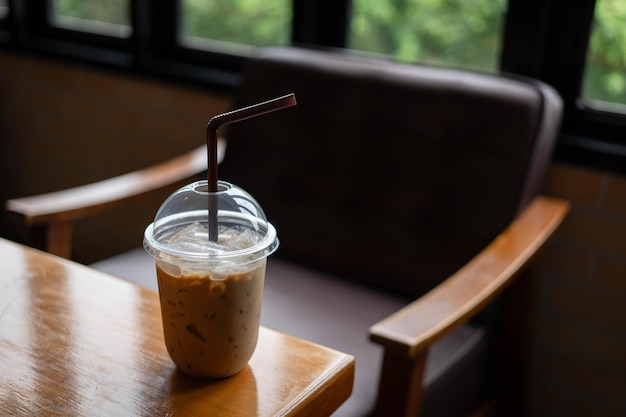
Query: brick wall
[(56, 119), (64, 125), (579, 357)]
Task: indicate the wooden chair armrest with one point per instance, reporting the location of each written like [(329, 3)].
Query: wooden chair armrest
[(73, 203), (53, 213), (407, 334), (411, 330)]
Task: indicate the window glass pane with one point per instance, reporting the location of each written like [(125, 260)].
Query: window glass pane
[(233, 23), (605, 71), (4, 8), (107, 17), (460, 33)]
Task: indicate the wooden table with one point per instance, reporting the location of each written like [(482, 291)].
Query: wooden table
[(77, 342)]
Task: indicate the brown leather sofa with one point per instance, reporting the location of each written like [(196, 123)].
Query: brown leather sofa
[(384, 181)]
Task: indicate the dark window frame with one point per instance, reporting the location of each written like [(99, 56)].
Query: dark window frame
[(27, 29), (555, 53), (544, 39)]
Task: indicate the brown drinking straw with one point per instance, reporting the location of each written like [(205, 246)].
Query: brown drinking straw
[(223, 119)]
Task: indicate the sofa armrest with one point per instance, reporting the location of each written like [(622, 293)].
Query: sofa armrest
[(407, 334), (57, 210), (456, 300)]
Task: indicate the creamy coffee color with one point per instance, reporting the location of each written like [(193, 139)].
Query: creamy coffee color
[(210, 323)]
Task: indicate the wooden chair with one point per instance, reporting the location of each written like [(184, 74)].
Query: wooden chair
[(51, 215), (393, 181)]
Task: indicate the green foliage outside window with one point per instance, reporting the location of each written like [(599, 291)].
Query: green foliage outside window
[(461, 33), (108, 11), (605, 73), (248, 22)]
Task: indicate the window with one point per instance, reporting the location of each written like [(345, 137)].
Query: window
[(579, 50), (4, 8), (440, 32), (232, 24), (605, 70), (108, 17)]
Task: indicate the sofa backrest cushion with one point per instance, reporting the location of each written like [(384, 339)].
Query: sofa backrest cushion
[(388, 173)]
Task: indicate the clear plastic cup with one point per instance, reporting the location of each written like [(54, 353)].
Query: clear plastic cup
[(210, 292)]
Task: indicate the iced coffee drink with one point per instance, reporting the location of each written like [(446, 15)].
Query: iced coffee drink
[(210, 292)]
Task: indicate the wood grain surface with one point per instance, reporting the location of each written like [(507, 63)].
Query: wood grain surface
[(74, 341)]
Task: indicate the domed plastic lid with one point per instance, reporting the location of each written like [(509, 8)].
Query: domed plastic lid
[(180, 228)]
